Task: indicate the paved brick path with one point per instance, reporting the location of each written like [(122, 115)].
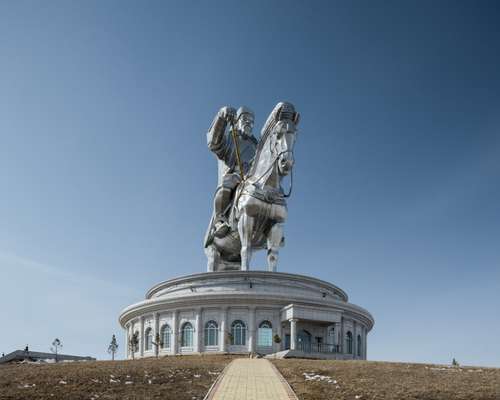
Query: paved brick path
[(251, 379)]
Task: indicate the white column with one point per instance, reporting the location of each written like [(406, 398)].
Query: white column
[(132, 331), (156, 331), (336, 338), (293, 334), (251, 330), (354, 340), (365, 348), (127, 335), (175, 334), (141, 335), (198, 332), (223, 330), (342, 338)]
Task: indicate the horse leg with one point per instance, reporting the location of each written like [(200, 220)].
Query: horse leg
[(212, 258), (273, 243), (245, 229)]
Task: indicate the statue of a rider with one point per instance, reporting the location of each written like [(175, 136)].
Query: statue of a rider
[(221, 141)]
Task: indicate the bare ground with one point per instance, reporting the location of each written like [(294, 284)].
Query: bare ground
[(369, 380), (179, 378)]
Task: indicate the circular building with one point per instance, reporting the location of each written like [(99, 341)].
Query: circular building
[(247, 312)]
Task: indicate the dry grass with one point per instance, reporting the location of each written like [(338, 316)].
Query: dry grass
[(371, 380), (189, 378), (178, 378)]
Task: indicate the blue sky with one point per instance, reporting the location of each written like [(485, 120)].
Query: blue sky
[(107, 182)]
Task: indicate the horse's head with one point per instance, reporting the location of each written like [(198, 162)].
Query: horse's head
[(285, 133)]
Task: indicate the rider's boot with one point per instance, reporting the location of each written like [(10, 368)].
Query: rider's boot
[(221, 202), (221, 227)]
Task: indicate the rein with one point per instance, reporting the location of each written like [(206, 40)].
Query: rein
[(271, 166)]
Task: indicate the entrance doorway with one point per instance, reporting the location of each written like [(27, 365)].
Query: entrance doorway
[(304, 341), (287, 342)]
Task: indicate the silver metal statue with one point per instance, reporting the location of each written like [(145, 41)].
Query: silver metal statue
[(249, 203)]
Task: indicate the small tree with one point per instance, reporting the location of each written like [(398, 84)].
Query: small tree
[(455, 363), (277, 339), (133, 343), (56, 345), (113, 347), (157, 343)]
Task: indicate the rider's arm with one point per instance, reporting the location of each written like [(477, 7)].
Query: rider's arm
[(216, 137)]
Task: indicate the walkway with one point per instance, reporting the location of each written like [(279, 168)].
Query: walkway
[(251, 379)]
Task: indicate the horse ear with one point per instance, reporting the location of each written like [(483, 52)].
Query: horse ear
[(296, 118)]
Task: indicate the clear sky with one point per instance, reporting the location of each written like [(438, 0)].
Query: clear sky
[(106, 182)]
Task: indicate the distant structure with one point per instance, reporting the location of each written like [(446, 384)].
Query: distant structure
[(231, 309), (34, 356)]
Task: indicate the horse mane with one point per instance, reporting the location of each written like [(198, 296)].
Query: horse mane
[(264, 136)]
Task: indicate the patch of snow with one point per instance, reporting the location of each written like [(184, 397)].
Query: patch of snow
[(448, 369), (150, 382), (96, 380), (26, 386), (114, 381), (128, 382), (321, 378), (61, 382), (196, 376)]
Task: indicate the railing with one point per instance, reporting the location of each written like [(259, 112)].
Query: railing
[(318, 347)]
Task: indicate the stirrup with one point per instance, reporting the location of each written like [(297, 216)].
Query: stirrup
[(221, 228)]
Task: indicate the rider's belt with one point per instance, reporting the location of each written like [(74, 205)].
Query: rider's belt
[(270, 196)]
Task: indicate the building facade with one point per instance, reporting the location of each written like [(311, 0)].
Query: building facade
[(261, 312)]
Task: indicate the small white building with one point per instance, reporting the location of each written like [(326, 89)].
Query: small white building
[(247, 312)]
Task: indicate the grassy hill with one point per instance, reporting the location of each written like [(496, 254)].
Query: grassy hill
[(370, 380), (183, 378), (190, 377)]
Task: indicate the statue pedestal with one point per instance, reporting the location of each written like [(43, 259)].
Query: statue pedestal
[(243, 311)]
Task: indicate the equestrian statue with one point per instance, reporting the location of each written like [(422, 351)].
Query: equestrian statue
[(249, 207)]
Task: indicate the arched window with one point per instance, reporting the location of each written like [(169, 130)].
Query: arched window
[(265, 334), (135, 341), (211, 336), (148, 342), (349, 342), (187, 335), (165, 334), (331, 334), (358, 346), (238, 333)]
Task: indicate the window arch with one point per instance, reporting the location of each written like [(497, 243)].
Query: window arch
[(358, 346), (148, 339), (265, 334), (187, 335), (349, 342), (238, 333), (211, 333), (165, 335)]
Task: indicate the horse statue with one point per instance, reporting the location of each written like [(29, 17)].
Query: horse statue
[(258, 209)]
